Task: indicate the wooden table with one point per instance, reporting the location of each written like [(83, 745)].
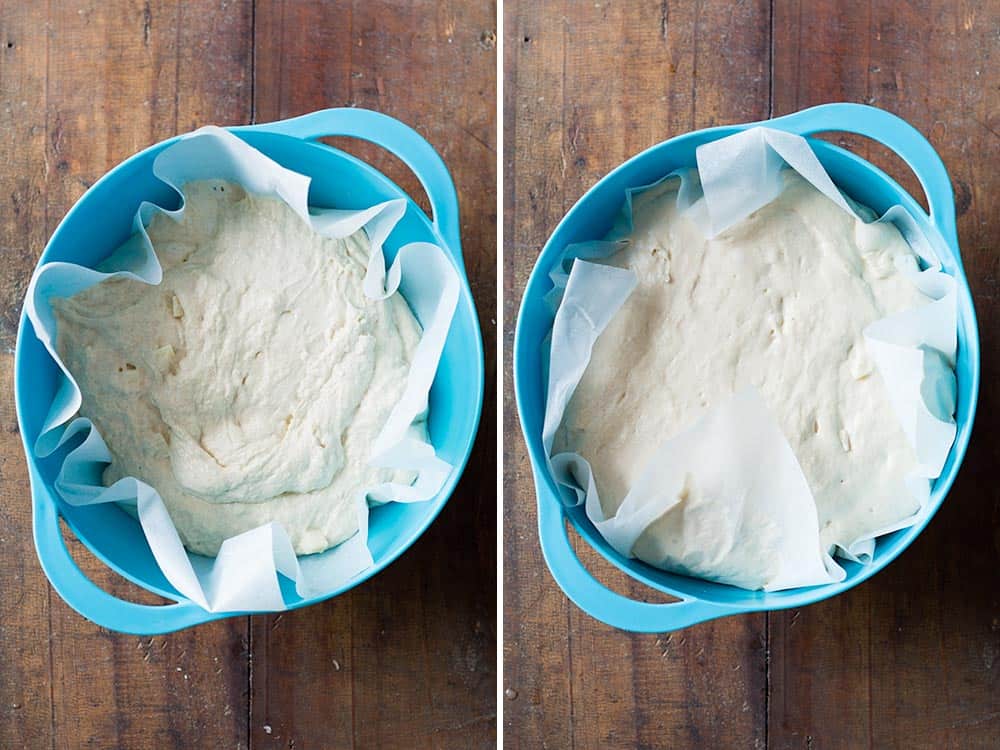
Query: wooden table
[(911, 658), (409, 658)]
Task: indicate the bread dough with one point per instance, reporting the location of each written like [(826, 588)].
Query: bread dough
[(249, 385), (778, 302)]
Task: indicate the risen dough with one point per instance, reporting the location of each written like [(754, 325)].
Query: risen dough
[(778, 302), (249, 385)]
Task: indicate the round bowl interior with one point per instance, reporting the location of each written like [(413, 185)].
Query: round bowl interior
[(591, 218), (102, 220)]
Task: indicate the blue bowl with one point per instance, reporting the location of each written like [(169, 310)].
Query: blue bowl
[(102, 219), (591, 218)]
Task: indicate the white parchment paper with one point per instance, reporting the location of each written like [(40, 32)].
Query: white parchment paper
[(244, 574), (754, 521)]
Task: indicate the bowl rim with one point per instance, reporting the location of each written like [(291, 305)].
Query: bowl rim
[(745, 600), (466, 306)]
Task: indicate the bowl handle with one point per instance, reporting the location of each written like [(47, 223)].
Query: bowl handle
[(895, 133), (85, 597), (397, 138), (593, 597)]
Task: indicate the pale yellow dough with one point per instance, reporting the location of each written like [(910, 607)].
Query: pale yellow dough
[(778, 302), (250, 384)]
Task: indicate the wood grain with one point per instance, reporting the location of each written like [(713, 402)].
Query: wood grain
[(97, 82), (25, 697), (407, 660), (912, 657), (909, 659), (587, 86), (415, 662)]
